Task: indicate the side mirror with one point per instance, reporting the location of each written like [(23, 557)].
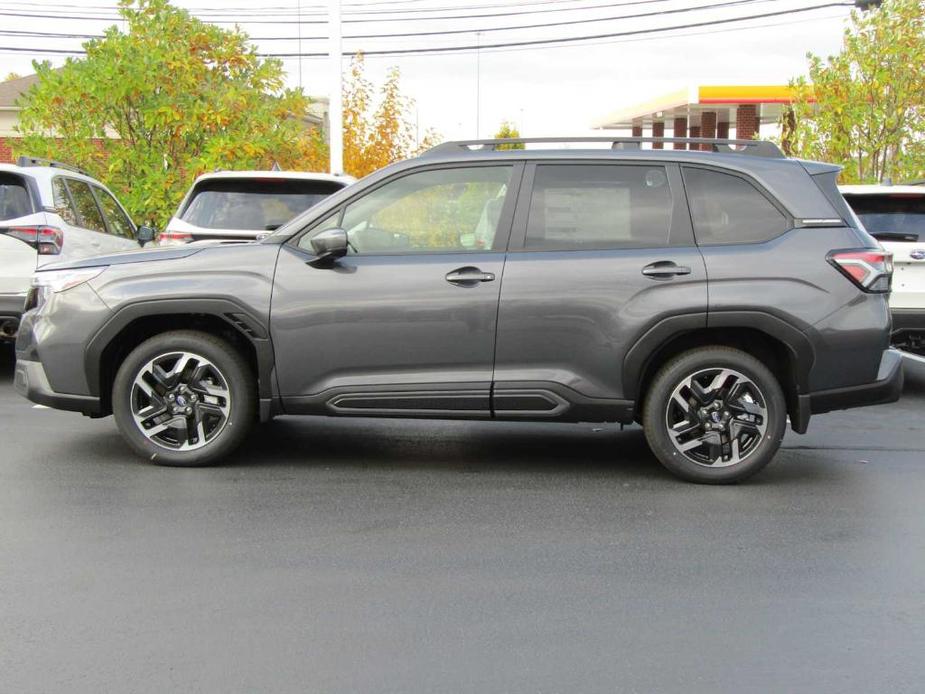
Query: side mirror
[(145, 234), (330, 244)]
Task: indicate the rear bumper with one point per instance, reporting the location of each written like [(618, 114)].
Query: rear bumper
[(31, 382), (908, 320)]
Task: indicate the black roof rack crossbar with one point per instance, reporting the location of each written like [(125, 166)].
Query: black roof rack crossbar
[(755, 148), (37, 161)]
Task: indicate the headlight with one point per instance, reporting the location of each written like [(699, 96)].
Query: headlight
[(62, 280)]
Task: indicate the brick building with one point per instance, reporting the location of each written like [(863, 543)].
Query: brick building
[(10, 91), (715, 111)]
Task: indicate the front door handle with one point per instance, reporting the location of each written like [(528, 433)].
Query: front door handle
[(469, 276), (665, 269)]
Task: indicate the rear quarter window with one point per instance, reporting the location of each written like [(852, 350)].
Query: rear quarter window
[(728, 209), (14, 197)]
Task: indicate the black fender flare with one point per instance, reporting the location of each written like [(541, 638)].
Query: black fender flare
[(795, 340), (238, 317)]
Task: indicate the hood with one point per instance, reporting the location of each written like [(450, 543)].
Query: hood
[(142, 255)]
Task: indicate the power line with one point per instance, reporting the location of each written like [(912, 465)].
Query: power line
[(569, 22), (607, 42), (114, 18), (531, 43)]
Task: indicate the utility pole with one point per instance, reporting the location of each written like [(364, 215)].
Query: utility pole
[(478, 81), (336, 98), (298, 24)]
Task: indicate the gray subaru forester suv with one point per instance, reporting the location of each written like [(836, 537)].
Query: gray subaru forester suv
[(708, 293)]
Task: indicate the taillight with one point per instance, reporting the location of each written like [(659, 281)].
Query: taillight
[(45, 239), (871, 270), (173, 238)]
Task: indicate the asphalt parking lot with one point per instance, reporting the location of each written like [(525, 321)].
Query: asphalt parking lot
[(394, 556)]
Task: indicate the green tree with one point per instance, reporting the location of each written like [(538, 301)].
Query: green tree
[(506, 130), (165, 99), (864, 108)]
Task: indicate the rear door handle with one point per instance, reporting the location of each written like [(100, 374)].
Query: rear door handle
[(665, 269), (469, 276)]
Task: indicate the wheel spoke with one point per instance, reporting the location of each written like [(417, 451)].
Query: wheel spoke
[(180, 400), (719, 424)]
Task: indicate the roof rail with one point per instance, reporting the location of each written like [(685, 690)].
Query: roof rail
[(37, 161), (755, 148)]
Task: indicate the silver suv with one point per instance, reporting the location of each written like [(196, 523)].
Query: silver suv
[(52, 212), (708, 295)]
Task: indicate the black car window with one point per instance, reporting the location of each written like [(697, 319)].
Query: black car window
[(62, 202), (119, 223), (253, 204), (14, 198), (728, 209), (897, 213), (89, 213), (440, 210), (587, 207)]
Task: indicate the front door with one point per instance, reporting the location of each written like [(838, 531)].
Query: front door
[(600, 254), (405, 323)]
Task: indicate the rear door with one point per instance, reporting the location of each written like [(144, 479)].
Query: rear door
[(600, 253), (83, 224)]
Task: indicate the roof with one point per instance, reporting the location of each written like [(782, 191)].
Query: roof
[(11, 90), (692, 101), (880, 189), (300, 175)]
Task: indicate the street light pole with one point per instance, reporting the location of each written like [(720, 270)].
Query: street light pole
[(335, 102)]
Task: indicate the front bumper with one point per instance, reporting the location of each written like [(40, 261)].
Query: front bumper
[(30, 381)]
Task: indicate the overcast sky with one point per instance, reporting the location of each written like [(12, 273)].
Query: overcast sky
[(546, 90)]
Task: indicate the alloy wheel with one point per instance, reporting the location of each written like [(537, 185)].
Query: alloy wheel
[(180, 401), (716, 417)]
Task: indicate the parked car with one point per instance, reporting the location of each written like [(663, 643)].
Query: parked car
[(52, 212), (707, 295), (245, 205), (895, 216)]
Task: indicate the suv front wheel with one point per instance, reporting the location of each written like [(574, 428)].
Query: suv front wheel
[(714, 415), (184, 398)]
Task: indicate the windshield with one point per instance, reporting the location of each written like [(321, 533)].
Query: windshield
[(894, 213), (254, 204), (14, 198)]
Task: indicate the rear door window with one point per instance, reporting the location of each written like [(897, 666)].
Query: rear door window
[(64, 206), (892, 216), (728, 209), (119, 223), (599, 206), (87, 210), (253, 204), (14, 198)]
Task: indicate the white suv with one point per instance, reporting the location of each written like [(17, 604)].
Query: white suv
[(895, 216), (51, 212), (245, 205)]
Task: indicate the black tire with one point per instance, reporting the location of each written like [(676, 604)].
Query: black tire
[(230, 366), (758, 386)]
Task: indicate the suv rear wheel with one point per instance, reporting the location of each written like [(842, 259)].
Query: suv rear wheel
[(184, 398), (714, 415)]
